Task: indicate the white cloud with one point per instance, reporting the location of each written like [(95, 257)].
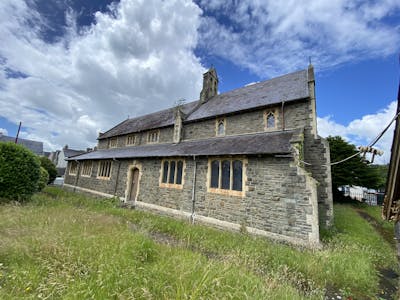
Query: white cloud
[(135, 59), (361, 132), (3, 131), (274, 37)]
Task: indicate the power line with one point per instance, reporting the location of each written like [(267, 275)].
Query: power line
[(374, 141)]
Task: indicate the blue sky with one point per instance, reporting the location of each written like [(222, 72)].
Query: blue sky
[(69, 69)]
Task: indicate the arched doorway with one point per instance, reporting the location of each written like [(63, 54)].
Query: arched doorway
[(134, 184)]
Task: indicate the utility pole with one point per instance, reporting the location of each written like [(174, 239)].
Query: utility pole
[(19, 128)]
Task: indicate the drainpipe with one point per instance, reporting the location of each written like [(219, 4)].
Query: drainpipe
[(116, 181), (193, 189), (283, 115), (77, 174)]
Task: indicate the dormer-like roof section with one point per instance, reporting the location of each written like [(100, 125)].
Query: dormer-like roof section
[(290, 87)]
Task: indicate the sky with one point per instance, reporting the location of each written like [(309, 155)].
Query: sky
[(70, 69)]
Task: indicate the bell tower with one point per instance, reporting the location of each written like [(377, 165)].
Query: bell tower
[(210, 85)]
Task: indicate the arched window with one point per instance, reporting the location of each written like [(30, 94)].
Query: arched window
[(220, 127), (270, 120)]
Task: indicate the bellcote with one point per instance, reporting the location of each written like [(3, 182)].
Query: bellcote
[(210, 85)]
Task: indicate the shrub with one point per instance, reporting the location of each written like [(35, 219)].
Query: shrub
[(19, 172), (50, 168), (43, 180)]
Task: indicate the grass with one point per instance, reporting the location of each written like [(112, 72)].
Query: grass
[(64, 245)]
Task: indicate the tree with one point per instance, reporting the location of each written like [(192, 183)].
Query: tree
[(19, 172), (50, 168), (352, 171), (44, 178)]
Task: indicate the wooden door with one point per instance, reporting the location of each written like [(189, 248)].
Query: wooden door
[(134, 184)]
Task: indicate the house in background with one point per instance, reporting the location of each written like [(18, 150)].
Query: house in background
[(35, 146), (58, 158), (362, 194), (233, 160)]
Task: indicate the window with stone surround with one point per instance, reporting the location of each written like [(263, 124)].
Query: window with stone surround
[(73, 168), (172, 173), (113, 143), (225, 176), (130, 140), (87, 168), (220, 126), (104, 170), (270, 120), (153, 136)]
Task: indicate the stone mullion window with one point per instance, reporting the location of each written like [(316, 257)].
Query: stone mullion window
[(87, 169), (113, 143), (130, 140), (172, 173), (73, 167), (153, 136), (226, 176), (104, 171)]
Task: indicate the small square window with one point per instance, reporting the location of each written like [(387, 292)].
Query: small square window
[(130, 140), (113, 143), (153, 136)]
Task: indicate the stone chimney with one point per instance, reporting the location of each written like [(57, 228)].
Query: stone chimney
[(178, 114), (210, 85)]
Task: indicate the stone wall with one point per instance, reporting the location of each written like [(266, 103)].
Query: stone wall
[(317, 154), (279, 198)]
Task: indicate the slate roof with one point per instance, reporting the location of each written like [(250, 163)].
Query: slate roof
[(35, 146), (290, 87), (278, 142), (158, 119), (71, 152)]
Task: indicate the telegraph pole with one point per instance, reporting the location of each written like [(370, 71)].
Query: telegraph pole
[(19, 128)]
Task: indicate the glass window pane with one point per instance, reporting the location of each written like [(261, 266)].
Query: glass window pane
[(172, 172), (165, 172), (271, 121), (237, 175), (179, 172), (214, 173), (226, 175), (221, 128)]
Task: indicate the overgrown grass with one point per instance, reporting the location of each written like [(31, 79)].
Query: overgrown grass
[(64, 245)]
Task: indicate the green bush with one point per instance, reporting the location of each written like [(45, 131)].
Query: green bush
[(50, 168), (19, 172), (43, 180)]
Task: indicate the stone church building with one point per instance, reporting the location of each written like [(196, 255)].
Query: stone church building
[(231, 160)]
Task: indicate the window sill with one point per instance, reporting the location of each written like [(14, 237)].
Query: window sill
[(172, 186), (103, 178), (226, 192)]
